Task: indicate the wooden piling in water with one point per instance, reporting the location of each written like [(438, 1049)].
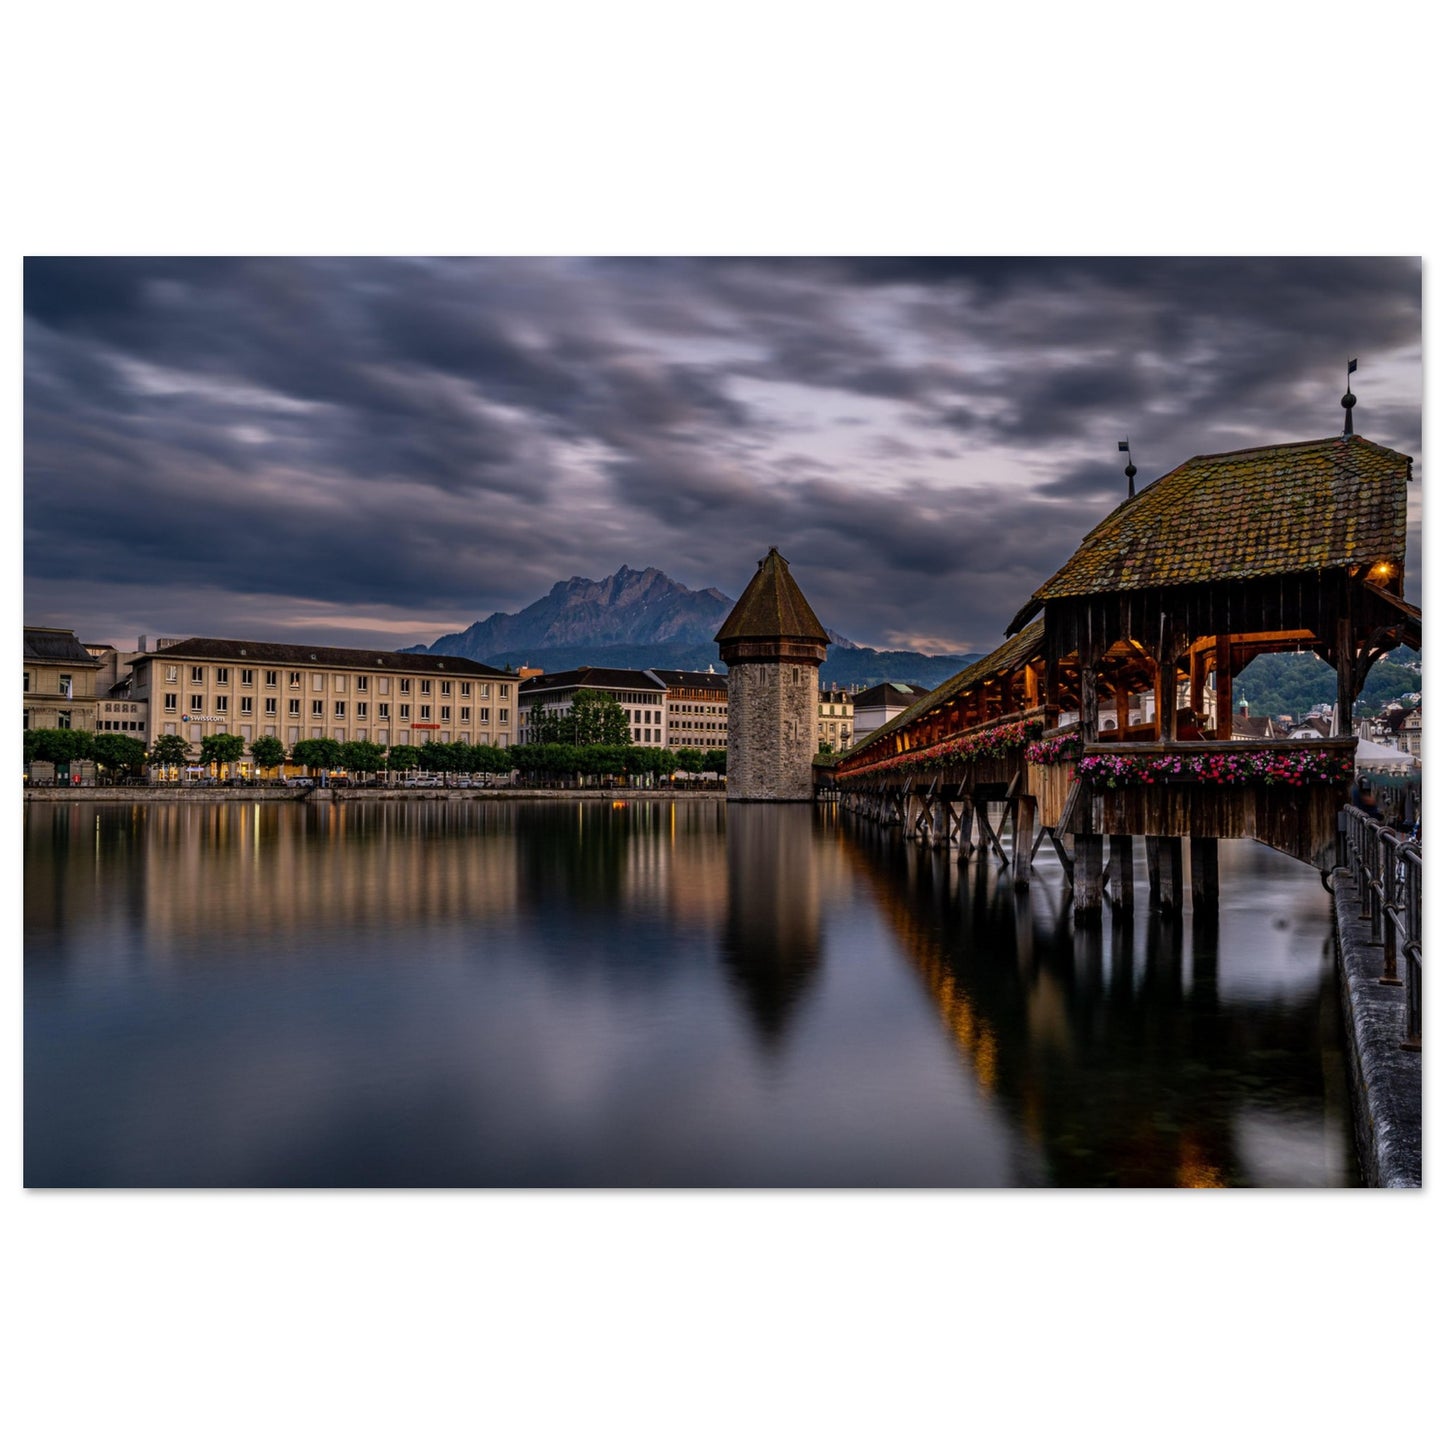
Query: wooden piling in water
[(1204, 872), (1025, 809), (1088, 877), (1121, 870), (1166, 873)]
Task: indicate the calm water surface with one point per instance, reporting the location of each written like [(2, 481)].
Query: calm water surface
[(657, 994)]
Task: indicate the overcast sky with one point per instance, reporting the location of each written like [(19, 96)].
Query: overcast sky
[(368, 452)]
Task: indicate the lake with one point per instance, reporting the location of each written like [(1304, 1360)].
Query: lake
[(652, 993)]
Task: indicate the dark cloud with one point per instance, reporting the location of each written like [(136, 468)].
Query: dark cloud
[(318, 447)]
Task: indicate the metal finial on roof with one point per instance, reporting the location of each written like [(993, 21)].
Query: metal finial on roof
[(1130, 471), (1348, 399)]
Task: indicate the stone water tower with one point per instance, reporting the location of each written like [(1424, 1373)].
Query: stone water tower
[(773, 645)]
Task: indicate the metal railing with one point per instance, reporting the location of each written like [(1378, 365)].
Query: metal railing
[(1388, 876)]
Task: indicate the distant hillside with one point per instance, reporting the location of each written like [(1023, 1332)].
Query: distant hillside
[(1294, 682), (645, 619)]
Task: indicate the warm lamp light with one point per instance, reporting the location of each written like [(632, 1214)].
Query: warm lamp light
[(1381, 570)]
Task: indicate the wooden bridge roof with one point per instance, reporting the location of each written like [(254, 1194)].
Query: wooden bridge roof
[(1263, 511), (1014, 653)]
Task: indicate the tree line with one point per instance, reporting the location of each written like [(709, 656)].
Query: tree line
[(594, 745)]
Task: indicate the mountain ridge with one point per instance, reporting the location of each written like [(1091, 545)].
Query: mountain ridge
[(646, 619)]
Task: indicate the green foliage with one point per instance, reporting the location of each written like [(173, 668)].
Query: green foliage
[(715, 760), (169, 751), (363, 757), (118, 753), (222, 748), (403, 758), (268, 753), (61, 746), (317, 753), (1293, 682), (595, 719), (690, 760)]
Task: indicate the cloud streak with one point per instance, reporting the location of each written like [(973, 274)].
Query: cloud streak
[(332, 450)]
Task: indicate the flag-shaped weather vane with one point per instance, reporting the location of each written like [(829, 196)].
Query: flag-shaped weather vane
[(1348, 399), (1130, 471)]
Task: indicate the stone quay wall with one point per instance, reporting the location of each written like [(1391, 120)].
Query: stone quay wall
[(772, 731)]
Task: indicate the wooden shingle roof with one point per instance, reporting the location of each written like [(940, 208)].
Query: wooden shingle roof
[(1016, 651), (1302, 507), (772, 606)]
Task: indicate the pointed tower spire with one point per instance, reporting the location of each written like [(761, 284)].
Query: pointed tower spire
[(773, 644)]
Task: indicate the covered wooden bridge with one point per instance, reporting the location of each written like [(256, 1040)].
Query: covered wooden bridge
[(1109, 713)]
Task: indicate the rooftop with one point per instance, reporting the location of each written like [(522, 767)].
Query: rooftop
[(1264, 511), (285, 653), (772, 606)]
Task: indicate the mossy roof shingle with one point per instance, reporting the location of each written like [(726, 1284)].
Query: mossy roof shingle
[(1300, 507), (772, 606)]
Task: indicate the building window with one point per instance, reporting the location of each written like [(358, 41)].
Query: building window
[(293, 707), (248, 706), (271, 677), (270, 707), (502, 714), (362, 684), (223, 676), (446, 712), (62, 720), (425, 712), (222, 703), (360, 710), (383, 684), (484, 715), (318, 708), (426, 687), (466, 689), (466, 714), (248, 677), (484, 689), (383, 709), (170, 702), (338, 682), (406, 712), (173, 673), (293, 679), (318, 682), (198, 702), (198, 674), (403, 685), (340, 711)]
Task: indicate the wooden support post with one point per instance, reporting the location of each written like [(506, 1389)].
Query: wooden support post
[(1204, 873), (941, 821), (1025, 809), (1345, 678), (1224, 688), (965, 827), (987, 835), (1168, 896), (1088, 690), (1151, 864), (1166, 688), (1088, 877), (1121, 870)]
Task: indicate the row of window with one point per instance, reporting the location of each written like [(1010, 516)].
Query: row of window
[(382, 736), (220, 705), (340, 682)]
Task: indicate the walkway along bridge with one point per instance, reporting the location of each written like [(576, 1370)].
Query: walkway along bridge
[(1108, 713)]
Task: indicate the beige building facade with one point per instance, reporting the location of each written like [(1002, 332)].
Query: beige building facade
[(204, 685), (59, 682)]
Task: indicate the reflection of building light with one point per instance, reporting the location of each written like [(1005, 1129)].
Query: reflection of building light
[(1381, 570), (1194, 1171)]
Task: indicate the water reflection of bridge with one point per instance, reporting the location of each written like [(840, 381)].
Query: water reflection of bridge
[(1109, 711), (1116, 1053)]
